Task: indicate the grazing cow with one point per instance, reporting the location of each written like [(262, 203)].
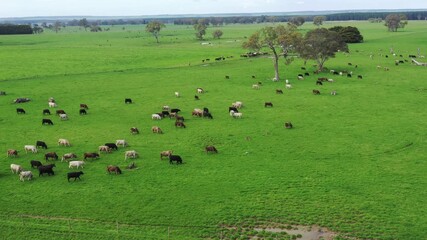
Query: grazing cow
[(303, 68), (165, 108), (30, 148), (322, 79), (316, 92), (207, 115), (112, 146), (237, 104), (52, 104), (115, 169), (134, 130), (25, 175), (268, 104), (288, 86), (318, 82), (179, 124), (63, 116), (177, 94), (359, 76), (279, 91), (349, 64), (76, 164), (20, 111), (300, 78), (349, 75), (68, 156), (46, 112), (255, 86), (51, 99), (333, 93), (306, 74), (122, 143), (175, 158), (235, 114), (128, 101), (90, 155), (63, 142), (131, 154), (211, 149), (41, 144), (165, 154), (131, 166), (82, 111), (60, 111), (47, 121), (51, 155), (288, 125), (232, 109), (12, 152), (156, 116), (82, 105), (197, 113), (253, 76), (330, 80), (200, 90), (196, 97), (104, 149), (156, 129), (74, 175), (46, 169), (227, 77), (175, 110), (336, 73), (21, 100), (35, 163), (165, 113), (179, 118), (205, 109), (15, 168)]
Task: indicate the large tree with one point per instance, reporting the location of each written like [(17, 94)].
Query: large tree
[(217, 34), (154, 28), (200, 28), (297, 21), (318, 20), (84, 23), (280, 40), (320, 45), (395, 21), (348, 34)]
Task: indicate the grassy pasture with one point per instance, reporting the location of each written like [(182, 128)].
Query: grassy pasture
[(354, 163)]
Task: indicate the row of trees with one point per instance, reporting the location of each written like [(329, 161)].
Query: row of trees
[(15, 29)]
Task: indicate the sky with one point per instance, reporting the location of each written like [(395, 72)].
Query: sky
[(31, 8)]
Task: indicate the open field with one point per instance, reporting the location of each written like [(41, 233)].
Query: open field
[(354, 163)]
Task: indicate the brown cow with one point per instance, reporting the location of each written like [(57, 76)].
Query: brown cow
[(12, 152), (156, 129), (211, 149), (179, 124), (165, 154), (134, 130), (316, 92), (115, 169), (288, 125), (268, 104), (82, 105)]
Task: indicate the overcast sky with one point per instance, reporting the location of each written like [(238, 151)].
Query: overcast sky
[(26, 8)]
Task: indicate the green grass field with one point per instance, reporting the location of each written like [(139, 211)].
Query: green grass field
[(354, 163)]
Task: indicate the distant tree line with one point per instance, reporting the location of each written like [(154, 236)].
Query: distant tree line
[(15, 29)]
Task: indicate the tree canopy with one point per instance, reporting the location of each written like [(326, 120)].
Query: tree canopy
[(395, 21), (320, 45), (154, 28), (297, 21), (318, 20), (348, 34), (200, 28), (217, 34)]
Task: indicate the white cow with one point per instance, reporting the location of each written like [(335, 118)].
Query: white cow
[(288, 86), (200, 90), (166, 108), (25, 175), (68, 156), (77, 164), (156, 116), (52, 104), (255, 86), (177, 94), (237, 104), (104, 148), (64, 142), (122, 143), (287, 81), (15, 168), (63, 116), (236, 114), (30, 148), (131, 154)]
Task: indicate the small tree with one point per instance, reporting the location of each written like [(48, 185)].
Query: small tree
[(395, 21), (200, 28), (84, 23), (320, 45), (37, 29), (217, 34), (154, 28), (57, 26), (297, 21), (318, 20)]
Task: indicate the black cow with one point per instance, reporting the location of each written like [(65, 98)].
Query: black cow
[(165, 113), (60, 111), (21, 100), (359, 76), (306, 74), (82, 111), (207, 115), (82, 105), (35, 163), (46, 112), (51, 155), (20, 111), (47, 121), (196, 97), (175, 110), (318, 82), (227, 77), (349, 75), (46, 169), (41, 144), (112, 145), (316, 92), (2, 93), (279, 91), (175, 158), (205, 109), (128, 100), (74, 175), (288, 125), (232, 108)]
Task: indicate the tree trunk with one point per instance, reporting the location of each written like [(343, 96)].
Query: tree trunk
[(276, 64)]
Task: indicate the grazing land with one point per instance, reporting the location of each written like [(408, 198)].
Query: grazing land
[(353, 164)]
